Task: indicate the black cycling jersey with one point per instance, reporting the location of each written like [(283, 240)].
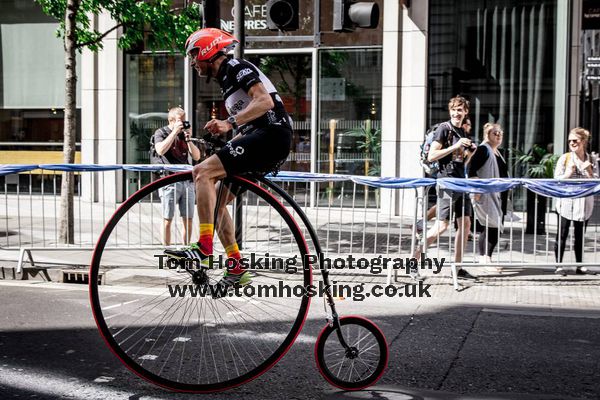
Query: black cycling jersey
[(236, 77)]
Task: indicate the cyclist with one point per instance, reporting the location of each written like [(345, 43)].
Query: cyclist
[(261, 145)]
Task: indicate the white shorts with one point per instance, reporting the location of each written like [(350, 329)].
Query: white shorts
[(180, 193)]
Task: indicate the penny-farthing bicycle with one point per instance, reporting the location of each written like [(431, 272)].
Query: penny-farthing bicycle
[(157, 320)]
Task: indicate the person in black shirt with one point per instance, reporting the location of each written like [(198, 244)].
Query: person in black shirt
[(452, 149), (173, 143), (490, 208), (262, 142)]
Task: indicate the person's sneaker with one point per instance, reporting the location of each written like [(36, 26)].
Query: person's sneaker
[(584, 271), (560, 271), (415, 275), (191, 252), (229, 281), (463, 274)]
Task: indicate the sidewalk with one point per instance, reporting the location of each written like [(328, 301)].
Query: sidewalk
[(537, 286)]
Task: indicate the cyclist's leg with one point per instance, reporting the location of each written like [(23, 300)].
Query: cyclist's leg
[(225, 229), (206, 174), (224, 225)]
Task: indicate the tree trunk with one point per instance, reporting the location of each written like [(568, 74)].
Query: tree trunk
[(66, 229)]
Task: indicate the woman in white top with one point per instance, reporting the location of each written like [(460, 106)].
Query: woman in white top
[(576, 164)]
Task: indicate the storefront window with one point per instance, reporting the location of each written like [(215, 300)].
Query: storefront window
[(501, 55), (349, 133), (32, 88), (154, 85)]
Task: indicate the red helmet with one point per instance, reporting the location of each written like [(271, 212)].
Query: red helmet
[(209, 42)]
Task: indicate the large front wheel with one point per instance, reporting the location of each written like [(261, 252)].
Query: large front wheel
[(159, 319)]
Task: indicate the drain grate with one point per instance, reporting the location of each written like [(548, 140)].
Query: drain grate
[(80, 276)]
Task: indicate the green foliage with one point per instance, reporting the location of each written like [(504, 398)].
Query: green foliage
[(370, 139), (539, 163), (289, 74), (156, 21), (369, 143)]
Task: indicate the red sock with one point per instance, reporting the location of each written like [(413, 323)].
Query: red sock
[(233, 252), (206, 238)]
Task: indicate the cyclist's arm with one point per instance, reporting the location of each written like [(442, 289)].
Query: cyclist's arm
[(261, 103)]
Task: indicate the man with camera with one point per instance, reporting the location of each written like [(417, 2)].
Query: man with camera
[(174, 146), (452, 149)]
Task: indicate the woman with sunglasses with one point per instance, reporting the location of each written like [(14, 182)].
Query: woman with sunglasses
[(490, 208), (575, 164)]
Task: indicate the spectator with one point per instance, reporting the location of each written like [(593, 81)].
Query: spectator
[(452, 150), (432, 197), (490, 208), (173, 143), (575, 164)]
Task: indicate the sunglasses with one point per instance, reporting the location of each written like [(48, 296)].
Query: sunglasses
[(574, 140), (498, 133)]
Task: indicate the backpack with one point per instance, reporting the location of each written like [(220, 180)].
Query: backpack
[(431, 168), (156, 158)]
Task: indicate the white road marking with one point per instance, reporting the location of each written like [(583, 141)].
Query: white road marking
[(119, 305), (104, 379), (45, 384)]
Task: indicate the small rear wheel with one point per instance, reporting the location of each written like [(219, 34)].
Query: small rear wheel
[(359, 365)]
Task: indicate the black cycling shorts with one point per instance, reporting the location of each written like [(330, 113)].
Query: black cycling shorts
[(259, 151)]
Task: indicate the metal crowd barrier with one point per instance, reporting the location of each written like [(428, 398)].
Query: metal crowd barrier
[(527, 238), (362, 216)]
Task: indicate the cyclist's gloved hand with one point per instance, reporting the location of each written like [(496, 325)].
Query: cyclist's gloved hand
[(214, 142)]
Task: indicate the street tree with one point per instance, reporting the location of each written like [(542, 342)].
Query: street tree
[(155, 23)]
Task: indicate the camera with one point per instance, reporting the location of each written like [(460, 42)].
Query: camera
[(471, 147), (186, 125)]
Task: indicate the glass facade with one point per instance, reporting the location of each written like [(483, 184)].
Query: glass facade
[(31, 90), (32, 94), (589, 106), (349, 132), (501, 55), (154, 84)]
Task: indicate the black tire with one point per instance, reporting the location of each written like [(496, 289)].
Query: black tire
[(189, 344), (347, 370)]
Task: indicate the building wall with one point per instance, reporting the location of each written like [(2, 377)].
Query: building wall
[(102, 111), (404, 88)]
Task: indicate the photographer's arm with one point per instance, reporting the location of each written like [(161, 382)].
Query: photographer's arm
[(194, 151), (164, 145), (436, 152)]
